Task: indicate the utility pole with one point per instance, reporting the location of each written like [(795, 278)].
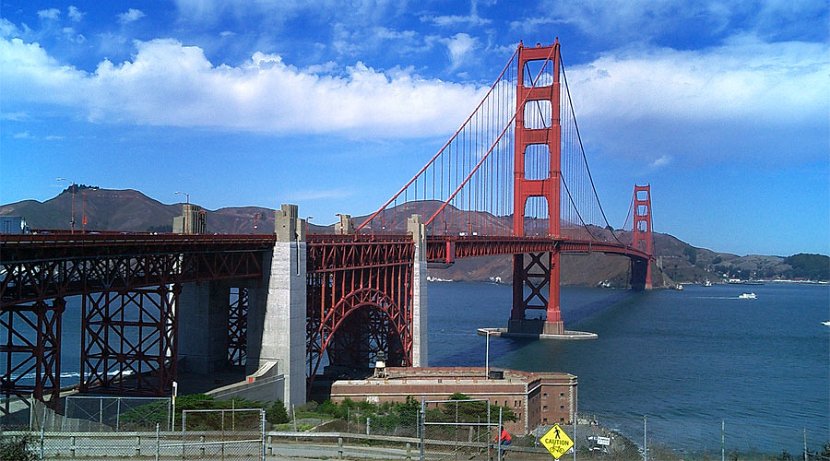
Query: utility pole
[(185, 213), (722, 440), (72, 189), (487, 355)]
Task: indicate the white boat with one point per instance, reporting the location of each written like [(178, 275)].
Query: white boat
[(747, 296), (827, 323), (707, 283)]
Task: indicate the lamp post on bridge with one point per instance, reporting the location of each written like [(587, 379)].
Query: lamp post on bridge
[(173, 401), (185, 212), (72, 188), (487, 355)]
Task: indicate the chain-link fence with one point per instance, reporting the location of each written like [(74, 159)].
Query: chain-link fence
[(663, 437), (458, 429), (129, 428), (90, 414), (107, 428), (104, 413), (227, 434)]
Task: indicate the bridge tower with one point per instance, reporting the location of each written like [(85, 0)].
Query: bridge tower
[(535, 89), (641, 238)]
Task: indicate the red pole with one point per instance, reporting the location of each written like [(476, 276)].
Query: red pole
[(72, 219)]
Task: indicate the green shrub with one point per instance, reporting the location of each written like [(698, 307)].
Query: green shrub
[(17, 449), (276, 413)]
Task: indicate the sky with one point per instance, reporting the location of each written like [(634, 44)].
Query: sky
[(723, 107)]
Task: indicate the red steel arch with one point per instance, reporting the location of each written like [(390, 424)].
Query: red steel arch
[(359, 291), (389, 333)]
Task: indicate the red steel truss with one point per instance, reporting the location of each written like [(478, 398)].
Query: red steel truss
[(128, 343), (41, 267), (238, 326), (32, 366), (128, 283), (359, 292)]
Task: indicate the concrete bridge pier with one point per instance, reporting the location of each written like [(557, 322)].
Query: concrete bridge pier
[(277, 309), (640, 275), (203, 326), (420, 351)]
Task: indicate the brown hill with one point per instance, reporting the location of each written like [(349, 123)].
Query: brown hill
[(131, 211)]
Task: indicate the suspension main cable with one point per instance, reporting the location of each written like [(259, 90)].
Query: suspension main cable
[(581, 146)]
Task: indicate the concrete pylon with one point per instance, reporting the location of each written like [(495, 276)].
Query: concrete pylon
[(420, 355), (203, 326), (192, 220), (284, 318)]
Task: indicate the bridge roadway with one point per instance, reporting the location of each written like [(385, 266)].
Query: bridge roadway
[(42, 248), (140, 259)]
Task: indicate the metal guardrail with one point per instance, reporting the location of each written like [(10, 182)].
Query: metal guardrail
[(167, 444)]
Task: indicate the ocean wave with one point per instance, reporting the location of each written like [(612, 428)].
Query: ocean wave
[(67, 374)]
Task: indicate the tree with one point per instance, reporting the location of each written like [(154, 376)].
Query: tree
[(691, 253), (17, 449), (276, 413), (809, 266)]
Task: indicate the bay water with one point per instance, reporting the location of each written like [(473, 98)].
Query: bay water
[(687, 360)]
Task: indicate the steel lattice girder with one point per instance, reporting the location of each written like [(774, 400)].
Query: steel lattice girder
[(238, 326), (25, 357), (447, 249), (128, 341), (534, 275), (346, 278), (27, 281)]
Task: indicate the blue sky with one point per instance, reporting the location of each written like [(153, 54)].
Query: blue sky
[(722, 106)]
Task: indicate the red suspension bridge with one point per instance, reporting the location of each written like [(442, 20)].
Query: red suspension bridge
[(512, 180)]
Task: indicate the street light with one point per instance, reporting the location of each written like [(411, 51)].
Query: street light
[(72, 216), (186, 196), (487, 358), (173, 416)]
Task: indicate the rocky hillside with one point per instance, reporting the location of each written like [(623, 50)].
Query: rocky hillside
[(677, 261)]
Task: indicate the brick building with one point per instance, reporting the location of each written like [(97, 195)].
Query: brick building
[(536, 398)]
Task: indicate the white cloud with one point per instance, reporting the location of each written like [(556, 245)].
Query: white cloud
[(473, 19), (744, 78), (7, 28), (455, 21), (745, 96), (74, 13), (14, 116), (23, 135), (663, 160), (459, 48), (51, 13), (169, 84), (72, 36), (130, 15)]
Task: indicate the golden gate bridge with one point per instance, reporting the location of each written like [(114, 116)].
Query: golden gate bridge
[(512, 180)]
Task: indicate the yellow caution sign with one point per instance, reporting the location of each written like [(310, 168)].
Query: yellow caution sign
[(557, 441)]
